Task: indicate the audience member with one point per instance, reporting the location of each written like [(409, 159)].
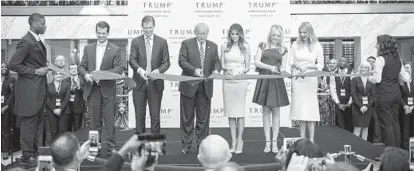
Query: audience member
[(214, 151), (229, 166), (66, 152)]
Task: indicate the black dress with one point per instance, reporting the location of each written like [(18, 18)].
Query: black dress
[(270, 92)]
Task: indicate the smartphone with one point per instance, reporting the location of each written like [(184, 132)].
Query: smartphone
[(93, 141), (45, 160), (411, 155), (288, 142)]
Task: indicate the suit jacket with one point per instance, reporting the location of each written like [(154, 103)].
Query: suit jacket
[(358, 91), (78, 104), (63, 95), (30, 89), (7, 91), (138, 59), (111, 62), (189, 60), (405, 93)]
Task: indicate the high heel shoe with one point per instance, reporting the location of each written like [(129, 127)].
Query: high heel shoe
[(267, 147), (275, 148), (239, 148), (233, 147)]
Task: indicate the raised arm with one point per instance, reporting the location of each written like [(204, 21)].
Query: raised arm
[(216, 63), (15, 63), (247, 59), (83, 67), (133, 56), (165, 63), (377, 73), (188, 69)]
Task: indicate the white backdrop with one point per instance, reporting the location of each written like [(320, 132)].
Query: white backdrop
[(175, 21)]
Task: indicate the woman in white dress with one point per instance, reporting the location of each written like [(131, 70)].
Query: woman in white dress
[(235, 59), (306, 56)]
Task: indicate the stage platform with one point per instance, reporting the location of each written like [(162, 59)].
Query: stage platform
[(329, 139)]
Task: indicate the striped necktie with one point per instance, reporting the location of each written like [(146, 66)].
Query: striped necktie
[(149, 53), (202, 55)]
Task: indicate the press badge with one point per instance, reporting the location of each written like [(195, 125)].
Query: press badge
[(57, 102), (72, 97), (342, 92), (2, 99), (364, 100), (410, 101)]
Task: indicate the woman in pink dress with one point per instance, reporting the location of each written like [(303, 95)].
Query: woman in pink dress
[(306, 56)]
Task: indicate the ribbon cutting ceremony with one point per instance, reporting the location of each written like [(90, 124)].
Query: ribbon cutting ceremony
[(292, 85)]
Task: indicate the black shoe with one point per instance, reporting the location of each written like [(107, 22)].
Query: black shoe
[(185, 151), (28, 162)]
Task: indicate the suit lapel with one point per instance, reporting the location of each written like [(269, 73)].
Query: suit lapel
[(107, 51), (142, 46), (195, 46), (206, 55), (38, 43), (155, 44), (93, 60)]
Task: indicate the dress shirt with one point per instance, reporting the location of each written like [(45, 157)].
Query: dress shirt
[(100, 51), (37, 37), (151, 40), (332, 86), (57, 86), (75, 78), (379, 66)]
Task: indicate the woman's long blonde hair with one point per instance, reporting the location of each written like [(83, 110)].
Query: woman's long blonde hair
[(279, 44), (312, 39), (364, 64)]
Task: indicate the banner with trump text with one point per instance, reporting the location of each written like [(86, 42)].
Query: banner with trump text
[(175, 21)]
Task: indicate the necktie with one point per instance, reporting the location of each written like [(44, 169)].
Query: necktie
[(149, 53), (58, 88), (73, 83), (202, 55)]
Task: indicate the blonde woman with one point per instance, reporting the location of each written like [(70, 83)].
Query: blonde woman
[(306, 56), (270, 59), (235, 59), (363, 96)]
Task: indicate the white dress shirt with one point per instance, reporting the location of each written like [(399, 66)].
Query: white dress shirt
[(100, 51), (37, 37), (332, 87), (151, 40), (379, 66)]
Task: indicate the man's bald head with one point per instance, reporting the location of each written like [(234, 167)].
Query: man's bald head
[(60, 61), (214, 151), (65, 149)]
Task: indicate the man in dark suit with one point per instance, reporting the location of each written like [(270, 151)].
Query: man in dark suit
[(405, 117), (149, 53), (101, 95), (76, 102), (29, 61), (198, 57)]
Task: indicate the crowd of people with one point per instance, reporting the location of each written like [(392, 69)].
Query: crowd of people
[(383, 99)]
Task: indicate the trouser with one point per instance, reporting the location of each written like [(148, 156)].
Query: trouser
[(405, 120), (58, 124), (102, 111), (387, 108), (201, 104), (375, 129), (344, 118), (147, 93), (30, 131)]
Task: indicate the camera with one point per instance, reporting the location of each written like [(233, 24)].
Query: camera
[(45, 160), (154, 146), (288, 142), (93, 141)]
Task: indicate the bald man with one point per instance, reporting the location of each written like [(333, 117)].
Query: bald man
[(66, 152), (60, 62), (198, 57), (213, 152)]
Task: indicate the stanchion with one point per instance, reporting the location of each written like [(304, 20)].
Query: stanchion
[(348, 153)]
